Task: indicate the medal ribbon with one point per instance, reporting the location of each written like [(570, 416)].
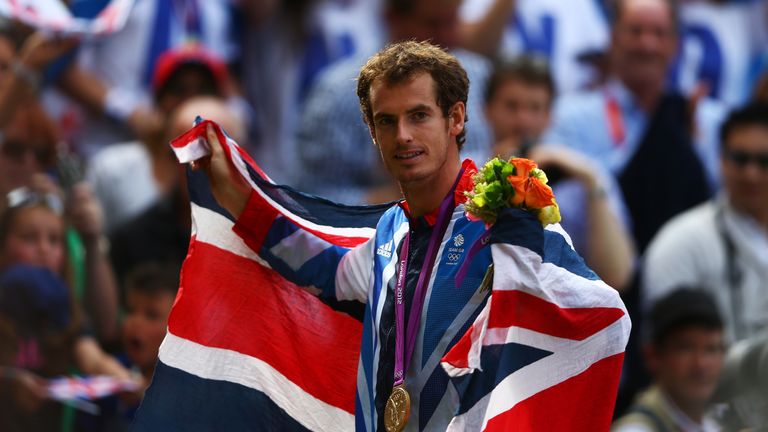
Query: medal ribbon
[(406, 345)]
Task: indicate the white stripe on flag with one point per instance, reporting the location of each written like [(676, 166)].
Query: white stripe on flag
[(240, 164), (298, 248), (218, 232), (231, 366), (193, 150), (569, 359), (520, 268)]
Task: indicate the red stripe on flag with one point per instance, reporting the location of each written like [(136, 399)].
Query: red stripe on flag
[(584, 403), (190, 135), (227, 301), (257, 217), (458, 356), (520, 309), (255, 221)]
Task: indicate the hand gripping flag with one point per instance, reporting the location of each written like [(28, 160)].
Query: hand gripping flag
[(248, 350)]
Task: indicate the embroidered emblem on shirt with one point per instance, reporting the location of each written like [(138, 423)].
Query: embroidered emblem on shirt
[(454, 254), (385, 250)]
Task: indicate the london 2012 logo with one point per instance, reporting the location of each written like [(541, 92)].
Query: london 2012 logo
[(454, 253)]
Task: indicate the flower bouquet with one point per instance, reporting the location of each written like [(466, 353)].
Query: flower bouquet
[(517, 183)]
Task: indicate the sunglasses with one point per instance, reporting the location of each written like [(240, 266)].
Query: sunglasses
[(741, 159), (17, 150), (24, 196)]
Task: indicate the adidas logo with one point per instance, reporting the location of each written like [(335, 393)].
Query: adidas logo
[(385, 250)]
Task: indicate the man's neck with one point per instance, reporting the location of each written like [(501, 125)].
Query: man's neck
[(425, 196), (694, 411)]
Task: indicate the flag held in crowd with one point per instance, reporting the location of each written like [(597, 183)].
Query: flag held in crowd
[(248, 350), (55, 17)]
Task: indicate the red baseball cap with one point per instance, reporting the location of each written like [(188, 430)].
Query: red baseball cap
[(170, 61)]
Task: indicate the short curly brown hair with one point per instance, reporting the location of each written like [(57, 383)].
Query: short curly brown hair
[(398, 62)]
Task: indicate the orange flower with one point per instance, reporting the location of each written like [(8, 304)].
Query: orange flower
[(523, 167), (520, 184), (538, 194), (529, 190)]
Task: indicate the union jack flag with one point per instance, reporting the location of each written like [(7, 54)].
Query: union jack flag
[(87, 387), (54, 16), (248, 350), (546, 351)]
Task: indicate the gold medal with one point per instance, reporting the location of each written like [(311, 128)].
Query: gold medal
[(397, 410)]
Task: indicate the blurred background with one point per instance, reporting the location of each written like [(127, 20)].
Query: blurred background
[(650, 118)]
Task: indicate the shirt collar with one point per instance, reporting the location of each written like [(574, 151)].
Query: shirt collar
[(615, 89), (464, 184), (680, 418)]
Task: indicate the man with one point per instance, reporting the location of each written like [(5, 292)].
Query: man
[(129, 177), (160, 232), (413, 98), (518, 102), (27, 147), (518, 99), (722, 245), (643, 133), (685, 355), (418, 127), (324, 149)]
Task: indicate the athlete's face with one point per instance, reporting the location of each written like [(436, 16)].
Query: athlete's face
[(417, 142)]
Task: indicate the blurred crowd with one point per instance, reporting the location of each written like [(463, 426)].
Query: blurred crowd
[(650, 118)]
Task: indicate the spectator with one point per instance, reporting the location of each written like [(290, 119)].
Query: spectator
[(644, 134), (151, 289), (341, 163), (722, 245), (28, 146), (111, 78), (32, 261), (28, 159), (519, 96), (38, 329), (129, 177), (33, 231), (161, 232), (685, 354)]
